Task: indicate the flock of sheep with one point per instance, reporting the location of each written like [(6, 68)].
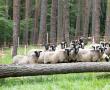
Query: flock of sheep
[(76, 51)]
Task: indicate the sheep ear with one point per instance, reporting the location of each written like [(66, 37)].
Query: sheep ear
[(93, 47), (105, 48)]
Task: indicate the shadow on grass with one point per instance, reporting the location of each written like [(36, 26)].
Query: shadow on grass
[(26, 80), (103, 76), (45, 79)]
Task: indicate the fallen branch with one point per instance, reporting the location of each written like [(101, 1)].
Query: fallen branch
[(48, 69)]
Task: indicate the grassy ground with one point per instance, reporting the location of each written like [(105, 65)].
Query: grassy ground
[(82, 81)]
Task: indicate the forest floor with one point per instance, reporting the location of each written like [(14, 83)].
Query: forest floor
[(77, 81)]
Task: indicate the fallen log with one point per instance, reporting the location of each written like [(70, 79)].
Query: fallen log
[(49, 69)]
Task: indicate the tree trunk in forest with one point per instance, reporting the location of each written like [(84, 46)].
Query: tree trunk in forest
[(50, 69), (78, 21), (7, 8), (36, 26), (96, 20), (27, 16), (16, 25), (42, 31), (86, 14), (107, 28), (66, 25), (60, 32), (53, 27)]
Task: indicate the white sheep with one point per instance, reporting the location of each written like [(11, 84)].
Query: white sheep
[(57, 56), (86, 55), (31, 58)]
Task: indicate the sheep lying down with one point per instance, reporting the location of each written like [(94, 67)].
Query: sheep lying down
[(26, 59), (58, 56), (86, 55)]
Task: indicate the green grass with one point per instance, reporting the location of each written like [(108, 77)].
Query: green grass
[(79, 81)]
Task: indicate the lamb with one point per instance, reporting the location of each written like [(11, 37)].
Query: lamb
[(31, 58)]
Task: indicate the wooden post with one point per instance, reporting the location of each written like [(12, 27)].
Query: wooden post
[(47, 38), (25, 49)]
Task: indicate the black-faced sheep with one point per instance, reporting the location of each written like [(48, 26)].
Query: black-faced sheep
[(62, 45), (50, 47), (31, 58), (58, 56), (86, 55)]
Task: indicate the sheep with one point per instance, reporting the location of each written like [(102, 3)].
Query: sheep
[(41, 57), (17, 59), (62, 45), (50, 47), (93, 46), (81, 43), (107, 50), (73, 53), (86, 55), (76, 42), (57, 56), (31, 58)]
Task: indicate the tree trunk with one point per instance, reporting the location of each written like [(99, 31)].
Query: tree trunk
[(27, 16), (96, 20), (16, 25), (36, 26), (53, 28), (86, 14), (78, 20), (60, 32), (107, 28), (42, 32), (66, 25), (50, 69), (7, 8)]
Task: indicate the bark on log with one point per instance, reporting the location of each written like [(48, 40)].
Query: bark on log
[(49, 69)]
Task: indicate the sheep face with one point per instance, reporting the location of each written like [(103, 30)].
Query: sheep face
[(37, 53), (96, 46), (73, 53), (52, 48), (72, 44), (63, 45), (105, 57), (102, 55), (103, 44), (47, 46)]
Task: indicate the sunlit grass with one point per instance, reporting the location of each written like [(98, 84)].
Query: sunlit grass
[(79, 81)]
